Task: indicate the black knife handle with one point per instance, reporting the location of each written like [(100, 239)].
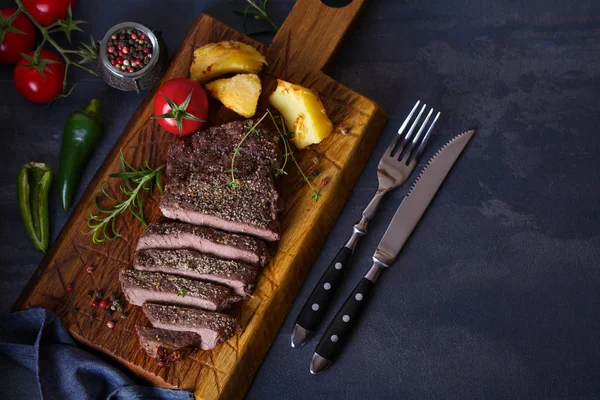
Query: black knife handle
[(317, 304), (334, 339)]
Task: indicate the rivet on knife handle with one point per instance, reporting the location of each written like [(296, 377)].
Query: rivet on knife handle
[(315, 307), (334, 339)]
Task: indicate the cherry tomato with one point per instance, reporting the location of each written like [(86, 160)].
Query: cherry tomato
[(191, 117), (15, 43), (47, 12), (38, 87)]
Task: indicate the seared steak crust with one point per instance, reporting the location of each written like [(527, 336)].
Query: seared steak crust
[(213, 328), (141, 286), (238, 276), (230, 246), (198, 180), (166, 346)]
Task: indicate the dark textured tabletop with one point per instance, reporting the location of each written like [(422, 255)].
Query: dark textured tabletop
[(497, 294)]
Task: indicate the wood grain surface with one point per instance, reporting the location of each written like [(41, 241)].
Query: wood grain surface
[(303, 46)]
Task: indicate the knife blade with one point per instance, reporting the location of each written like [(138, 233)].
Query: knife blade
[(403, 223)]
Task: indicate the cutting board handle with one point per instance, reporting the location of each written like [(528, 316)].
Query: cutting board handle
[(312, 33)]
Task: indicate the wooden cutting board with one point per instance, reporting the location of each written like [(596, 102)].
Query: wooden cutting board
[(300, 50)]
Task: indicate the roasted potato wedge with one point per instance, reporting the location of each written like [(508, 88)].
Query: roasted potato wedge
[(303, 113), (239, 93), (229, 57)]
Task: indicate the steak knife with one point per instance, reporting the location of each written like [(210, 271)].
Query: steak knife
[(407, 216)]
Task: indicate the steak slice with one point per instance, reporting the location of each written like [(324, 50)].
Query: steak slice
[(213, 328), (192, 264), (165, 346), (140, 287), (198, 178), (225, 245)]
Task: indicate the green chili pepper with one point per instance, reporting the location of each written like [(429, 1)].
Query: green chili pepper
[(33, 185), (82, 133)]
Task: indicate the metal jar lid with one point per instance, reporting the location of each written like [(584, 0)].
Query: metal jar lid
[(137, 80)]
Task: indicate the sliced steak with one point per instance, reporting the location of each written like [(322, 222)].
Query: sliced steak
[(141, 286), (225, 245), (213, 328), (190, 263), (198, 180), (167, 346)]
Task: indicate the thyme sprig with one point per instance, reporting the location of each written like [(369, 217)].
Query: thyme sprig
[(284, 135), (289, 153), (257, 9), (235, 183), (138, 183)]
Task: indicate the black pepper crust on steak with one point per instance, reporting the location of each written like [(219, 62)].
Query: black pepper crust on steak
[(198, 175), (229, 246), (142, 286), (165, 346), (214, 328), (240, 277)]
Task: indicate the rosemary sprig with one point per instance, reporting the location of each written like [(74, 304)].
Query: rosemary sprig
[(137, 184), (287, 150), (257, 9)]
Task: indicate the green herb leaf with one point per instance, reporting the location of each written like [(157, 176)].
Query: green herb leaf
[(137, 184), (182, 292)]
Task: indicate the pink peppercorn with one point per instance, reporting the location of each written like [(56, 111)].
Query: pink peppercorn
[(94, 304), (143, 36), (146, 50), (130, 70), (119, 60), (111, 49), (90, 270), (113, 62), (103, 304), (125, 50), (324, 181), (134, 36), (110, 324), (120, 46), (120, 53), (69, 288)]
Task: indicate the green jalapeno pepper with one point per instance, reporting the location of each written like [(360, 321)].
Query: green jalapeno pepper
[(82, 133), (33, 185)]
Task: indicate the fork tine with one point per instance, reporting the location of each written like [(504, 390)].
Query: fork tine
[(391, 148), (406, 138), (426, 138), (407, 120), (411, 146)]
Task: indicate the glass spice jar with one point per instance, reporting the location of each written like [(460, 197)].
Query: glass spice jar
[(129, 79)]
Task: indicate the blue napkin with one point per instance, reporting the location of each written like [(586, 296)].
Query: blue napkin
[(40, 360)]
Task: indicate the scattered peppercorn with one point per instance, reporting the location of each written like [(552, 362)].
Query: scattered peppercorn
[(92, 316), (124, 315), (75, 310), (91, 293), (94, 304), (324, 181), (69, 288), (316, 159), (103, 304), (109, 312), (113, 308), (99, 294), (129, 50), (90, 270), (315, 172), (110, 324), (112, 297)]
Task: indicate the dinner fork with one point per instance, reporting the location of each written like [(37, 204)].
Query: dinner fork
[(395, 167)]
